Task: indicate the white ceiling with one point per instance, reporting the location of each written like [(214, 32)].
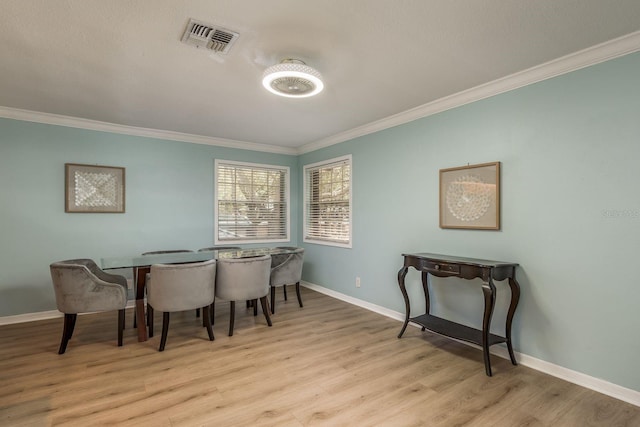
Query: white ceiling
[(122, 62)]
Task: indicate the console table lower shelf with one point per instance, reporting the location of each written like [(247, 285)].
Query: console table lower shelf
[(465, 268), (454, 330)]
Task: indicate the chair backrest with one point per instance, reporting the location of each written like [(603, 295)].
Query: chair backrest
[(243, 278), (179, 287), (81, 286), (174, 251), (220, 248), (286, 269)]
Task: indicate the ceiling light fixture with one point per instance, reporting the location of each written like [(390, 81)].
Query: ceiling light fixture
[(292, 78)]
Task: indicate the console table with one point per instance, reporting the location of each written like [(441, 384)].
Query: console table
[(466, 268)]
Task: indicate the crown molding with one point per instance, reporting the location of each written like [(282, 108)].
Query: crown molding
[(606, 51), (76, 122), (612, 49)]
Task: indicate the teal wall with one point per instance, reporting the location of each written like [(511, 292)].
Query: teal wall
[(570, 211), (169, 202), (569, 148)]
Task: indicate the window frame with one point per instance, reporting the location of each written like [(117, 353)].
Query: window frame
[(287, 201), (306, 193)]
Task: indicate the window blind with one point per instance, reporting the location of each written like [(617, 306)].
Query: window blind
[(328, 202), (252, 202)]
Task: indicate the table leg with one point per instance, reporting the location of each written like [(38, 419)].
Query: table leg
[(401, 275), (515, 297), (140, 284), (489, 291), (425, 287)]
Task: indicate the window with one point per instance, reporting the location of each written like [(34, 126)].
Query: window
[(252, 203), (327, 202)]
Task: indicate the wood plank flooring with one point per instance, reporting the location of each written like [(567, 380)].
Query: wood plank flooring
[(329, 364)]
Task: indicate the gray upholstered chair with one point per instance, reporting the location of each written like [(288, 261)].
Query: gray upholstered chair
[(244, 279), (286, 269), (180, 287), (135, 273), (81, 287), (172, 251), (220, 248)]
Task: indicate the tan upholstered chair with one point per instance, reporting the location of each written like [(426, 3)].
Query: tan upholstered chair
[(81, 286), (180, 287), (244, 279), (286, 269)]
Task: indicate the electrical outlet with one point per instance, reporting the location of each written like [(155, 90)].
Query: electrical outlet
[(357, 282)]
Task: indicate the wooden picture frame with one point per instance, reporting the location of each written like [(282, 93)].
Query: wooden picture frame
[(94, 189), (470, 197)]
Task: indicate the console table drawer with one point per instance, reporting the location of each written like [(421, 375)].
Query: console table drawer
[(439, 267)]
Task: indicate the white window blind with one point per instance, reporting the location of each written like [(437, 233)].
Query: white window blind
[(327, 208), (252, 203)]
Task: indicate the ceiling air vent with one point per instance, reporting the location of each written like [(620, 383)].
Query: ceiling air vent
[(207, 36)]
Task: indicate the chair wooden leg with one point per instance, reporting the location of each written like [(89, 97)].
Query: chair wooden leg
[(165, 330), (265, 309), (206, 314), (284, 288), (67, 331), (298, 293), (135, 280), (273, 299), (197, 312), (255, 307), (120, 326), (232, 309), (213, 312), (73, 325), (150, 317)]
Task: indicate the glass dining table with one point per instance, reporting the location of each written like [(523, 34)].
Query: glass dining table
[(142, 265)]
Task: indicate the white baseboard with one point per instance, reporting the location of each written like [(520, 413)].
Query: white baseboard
[(596, 384), (42, 315)]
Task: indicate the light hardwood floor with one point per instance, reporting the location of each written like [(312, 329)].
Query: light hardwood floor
[(329, 363)]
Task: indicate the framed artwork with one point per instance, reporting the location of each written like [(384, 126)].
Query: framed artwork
[(90, 189), (470, 197)]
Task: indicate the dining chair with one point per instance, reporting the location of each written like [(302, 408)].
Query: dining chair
[(180, 287), (289, 248), (220, 248), (136, 271), (286, 269), (170, 251), (80, 286), (244, 279)]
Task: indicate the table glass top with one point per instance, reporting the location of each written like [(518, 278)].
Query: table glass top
[(185, 257)]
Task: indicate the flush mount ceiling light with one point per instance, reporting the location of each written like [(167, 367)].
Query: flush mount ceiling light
[(292, 78)]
